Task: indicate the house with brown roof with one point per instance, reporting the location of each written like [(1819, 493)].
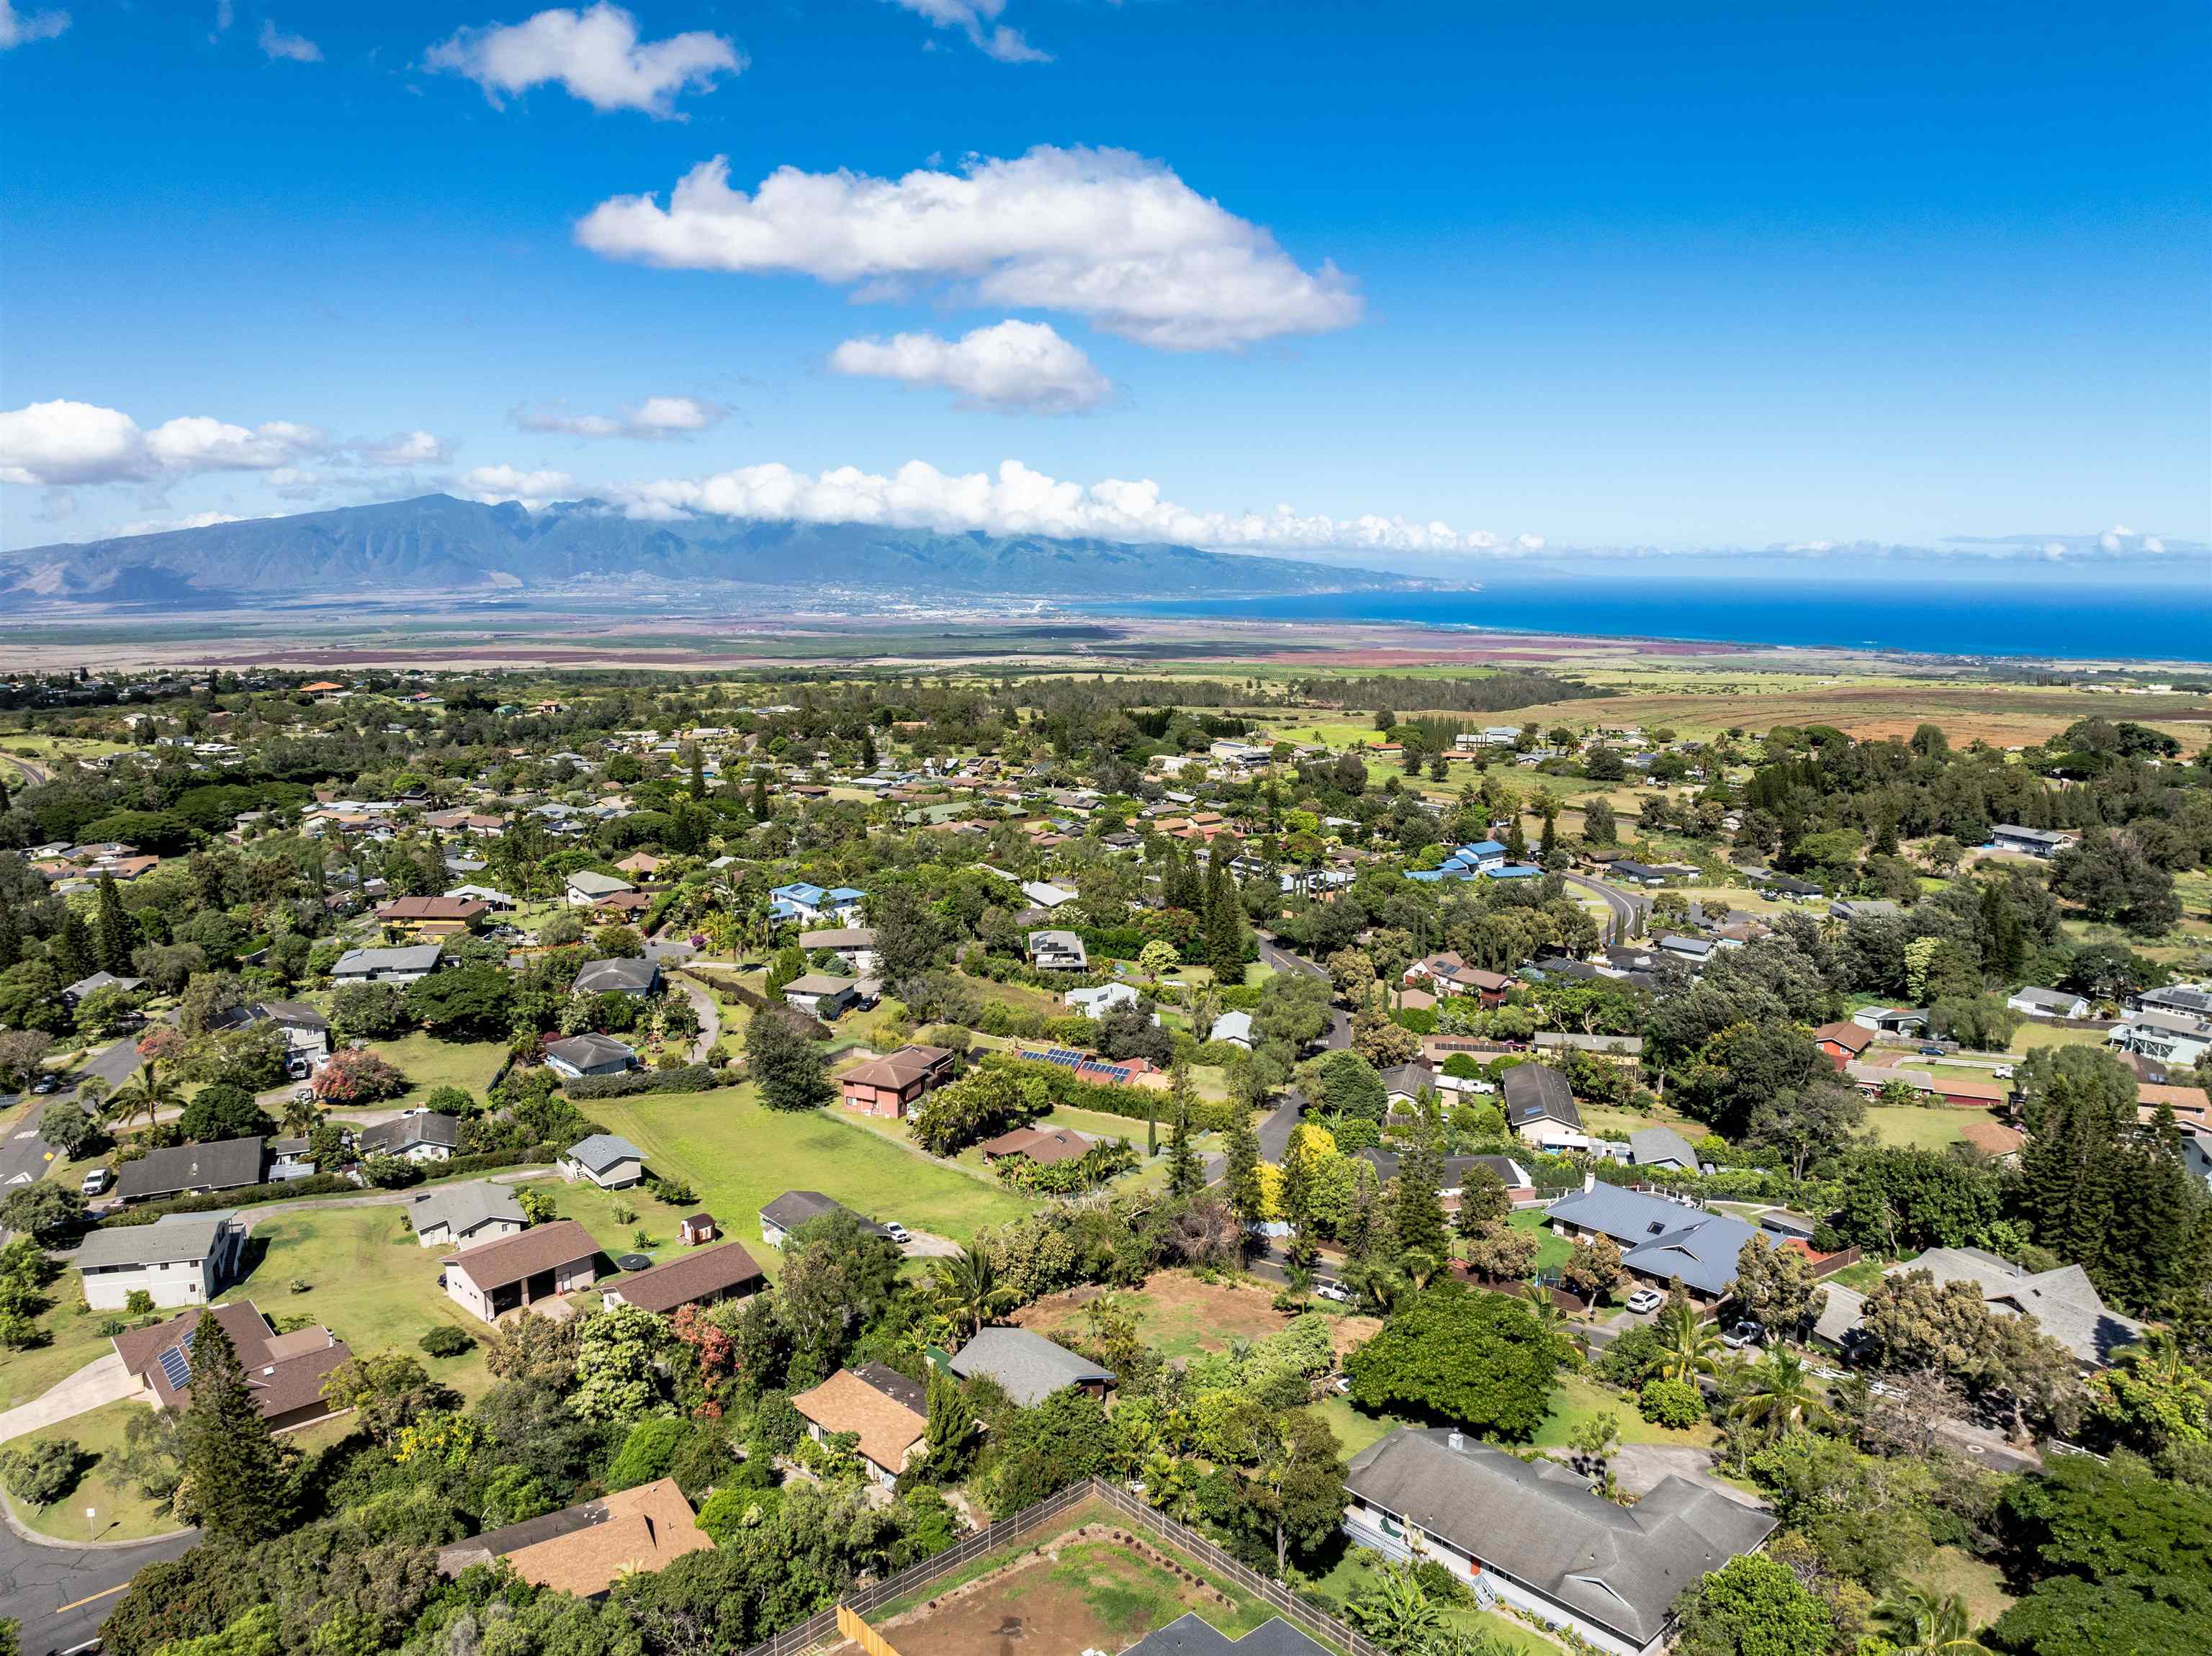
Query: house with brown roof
[(1842, 1043), (284, 1373), (707, 1277), (586, 1548), (432, 917), (1044, 1145), (894, 1083), (885, 1410), (516, 1272)]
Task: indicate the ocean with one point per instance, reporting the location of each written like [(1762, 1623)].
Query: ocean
[(2079, 619)]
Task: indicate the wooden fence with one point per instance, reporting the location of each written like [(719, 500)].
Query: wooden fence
[(1008, 1531)]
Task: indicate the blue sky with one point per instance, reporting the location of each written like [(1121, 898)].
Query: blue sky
[(1723, 275)]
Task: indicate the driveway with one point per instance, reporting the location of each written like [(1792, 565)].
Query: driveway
[(1642, 1467), (710, 1017), (96, 1385), (62, 1591)]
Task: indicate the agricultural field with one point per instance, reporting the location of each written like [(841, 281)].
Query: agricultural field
[(740, 1155)]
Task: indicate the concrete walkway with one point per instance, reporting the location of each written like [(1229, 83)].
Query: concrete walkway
[(95, 1385)]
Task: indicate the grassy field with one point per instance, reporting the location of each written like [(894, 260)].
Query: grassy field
[(740, 1156), (1909, 1126), (1980, 1584), (118, 1513), (72, 1341), (1552, 1248), (430, 1064), (2032, 1034), (1178, 1315), (1581, 1399)]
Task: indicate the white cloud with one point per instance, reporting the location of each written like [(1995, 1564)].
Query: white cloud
[(1102, 234), (533, 489), (656, 416), (595, 54), (22, 27), (66, 442), (298, 48), (406, 448), (156, 526), (1017, 500), (225, 13), (979, 20), (1011, 366)]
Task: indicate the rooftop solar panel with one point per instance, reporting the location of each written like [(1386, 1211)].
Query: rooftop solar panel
[(175, 1369)]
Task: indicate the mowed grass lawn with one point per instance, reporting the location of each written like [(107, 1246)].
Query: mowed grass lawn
[(1578, 1400), (1909, 1126), (1552, 1248), (429, 1064), (119, 1511), (740, 1156)]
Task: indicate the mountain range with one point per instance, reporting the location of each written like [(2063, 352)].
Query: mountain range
[(436, 544)]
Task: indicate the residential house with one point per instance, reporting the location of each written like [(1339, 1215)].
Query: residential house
[(1624, 1051), (587, 1548), (641, 866), (1454, 1171), (885, 1411), (1097, 1002), (2185, 1000), (1040, 1144), (2063, 1302), (799, 901), (1057, 951), (2048, 1002), (1534, 1537), (1696, 951), (893, 1084), (1540, 1109), (781, 1218), (73, 992), (1028, 1367), (181, 1259), (2175, 1039), (410, 964), (1662, 1147), (192, 1170), (432, 917), (588, 1054), (1842, 1043), (1864, 908), (418, 1135), (705, 1277), (1892, 1020), (820, 995), (609, 1163), (306, 1031), (1659, 1239), (584, 887), (517, 1271), (1448, 974), (1404, 1083), (284, 1373), (1047, 895), (461, 1215), (1234, 1027), (638, 978), (854, 945), (1190, 1634), (2033, 842)]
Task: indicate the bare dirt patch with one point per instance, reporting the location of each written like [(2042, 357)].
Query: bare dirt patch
[(1179, 1315)]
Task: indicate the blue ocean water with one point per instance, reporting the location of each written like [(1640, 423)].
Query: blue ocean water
[(2080, 619)]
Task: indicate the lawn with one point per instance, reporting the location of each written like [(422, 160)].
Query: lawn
[(1552, 1248), (429, 1064), (1911, 1126), (368, 1282), (1179, 1315), (1980, 1584), (740, 1156), (72, 1341), (117, 1513), (1581, 1399), (2032, 1035)]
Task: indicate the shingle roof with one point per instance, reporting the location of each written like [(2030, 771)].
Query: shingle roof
[(416, 957), (603, 1150), (225, 1164), (1536, 1092), (691, 1276), (1659, 1238), (585, 1549), (1030, 1367), (618, 977), (1649, 1145), (462, 1207), (795, 1207), (1190, 1635), (909, 1064), (847, 1403), (589, 1050), (174, 1239), (511, 1259), (401, 1133), (1621, 1566), (283, 1372), (2063, 1302)]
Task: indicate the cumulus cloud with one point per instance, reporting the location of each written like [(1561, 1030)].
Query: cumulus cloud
[(979, 20), (533, 489), (297, 48), (595, 54), (1018, 501), (1013, 366), (22, 27), (66, 442), (654, 417), (156, 526), (1102, 234)]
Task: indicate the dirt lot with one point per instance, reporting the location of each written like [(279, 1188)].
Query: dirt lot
[(1177, 1314)]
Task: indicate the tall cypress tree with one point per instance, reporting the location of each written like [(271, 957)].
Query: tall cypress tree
[(1417, 1211), (867, 748), (112, 938), (240, 1476), (1516, 841), (760, 796), (11, 937), (1225, 935), (698, 773), (1185, 1173), (1247, 1195), (73, 956)]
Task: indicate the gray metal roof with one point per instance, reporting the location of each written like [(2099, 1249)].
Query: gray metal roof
[(401, 1133), (1536, 1092), (618, 977), (224, 1164), (603, 1150), (174, 1239), (2063, 1302), (1619, 1567), (1190, 1636), (1029, 1367), (415, 957), (795, 1207), (1650, 1145), (1659, 1238), (463, 1207)]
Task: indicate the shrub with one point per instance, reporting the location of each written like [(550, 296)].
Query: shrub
[(1670, 1403), (674, 1191), (358, 1075), (647, 1453), (446, 1341), (685, 1078), (42, 1473)]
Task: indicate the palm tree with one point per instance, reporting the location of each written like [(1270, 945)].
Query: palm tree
[(149, 1091), (300, 1115), (1924, 1623), (968, 1284), (1686, 1345), (1782, 1394)]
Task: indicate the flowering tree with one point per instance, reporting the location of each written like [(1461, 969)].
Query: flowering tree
[(357, 1075)]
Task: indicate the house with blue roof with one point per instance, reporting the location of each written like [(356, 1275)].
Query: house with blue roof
[(844, 902), (1513, 872), (1482, 854), (799, 901), (1659, 1240)]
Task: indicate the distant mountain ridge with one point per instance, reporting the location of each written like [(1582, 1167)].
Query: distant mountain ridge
[(439, 544)]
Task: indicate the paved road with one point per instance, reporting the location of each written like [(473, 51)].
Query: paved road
[(26, 1158), (1629, 910), (62, 1594)]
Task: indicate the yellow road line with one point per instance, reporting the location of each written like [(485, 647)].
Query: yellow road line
[(79, 1603)]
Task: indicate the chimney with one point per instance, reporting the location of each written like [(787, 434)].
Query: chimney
[(1456, 1442), (1590, 1182)]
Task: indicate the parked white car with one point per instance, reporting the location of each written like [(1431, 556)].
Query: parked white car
[(1646, 1299)]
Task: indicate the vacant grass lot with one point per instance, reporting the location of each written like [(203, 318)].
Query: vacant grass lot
[(1178, 1315), (740, 1156), (1578, 1400), (430, 1064), (1909, 1126), (119, 1511), (2032, 1034)]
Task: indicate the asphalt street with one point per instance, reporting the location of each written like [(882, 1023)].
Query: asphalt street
[(24, 1156), (61, 1594), (1628, 910)]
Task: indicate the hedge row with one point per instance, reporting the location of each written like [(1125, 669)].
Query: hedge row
[(689, 1078)]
